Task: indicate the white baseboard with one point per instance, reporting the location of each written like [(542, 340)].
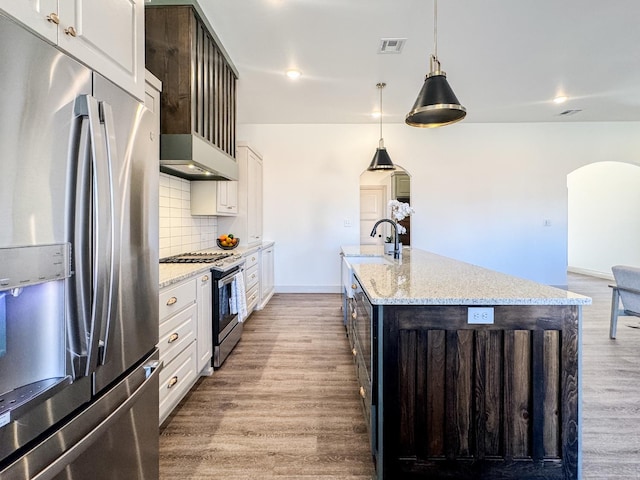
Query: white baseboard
[(308, 289), (264, 301), (591, 273)]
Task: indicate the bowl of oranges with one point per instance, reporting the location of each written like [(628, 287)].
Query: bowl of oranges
[(227, 242)]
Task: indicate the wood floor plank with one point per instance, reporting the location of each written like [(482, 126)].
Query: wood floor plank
[(285, 404)]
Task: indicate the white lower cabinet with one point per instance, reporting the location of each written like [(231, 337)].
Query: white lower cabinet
[(205, 326), (252, 279), (185, 334), (267, 283), (176, 379)]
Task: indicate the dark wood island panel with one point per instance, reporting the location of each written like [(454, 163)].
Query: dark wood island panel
[(464, 401)]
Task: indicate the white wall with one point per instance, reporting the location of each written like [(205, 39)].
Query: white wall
[(481, 191), (604, 217)]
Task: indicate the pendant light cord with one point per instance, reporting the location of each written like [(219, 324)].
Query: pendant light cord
[(380, 87), (435, 28)]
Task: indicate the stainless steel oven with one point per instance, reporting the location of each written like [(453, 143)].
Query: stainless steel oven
[(227, 329)]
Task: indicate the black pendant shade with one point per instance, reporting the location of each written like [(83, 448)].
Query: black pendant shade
[(381, 160), (436, 105)]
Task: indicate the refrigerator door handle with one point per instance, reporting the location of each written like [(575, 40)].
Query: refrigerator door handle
[(101, 243), (109, 324), (59, 464)]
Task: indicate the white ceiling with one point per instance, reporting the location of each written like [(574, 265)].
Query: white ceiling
[(504, 59)]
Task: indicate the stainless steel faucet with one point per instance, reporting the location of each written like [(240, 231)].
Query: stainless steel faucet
[(396, 249)]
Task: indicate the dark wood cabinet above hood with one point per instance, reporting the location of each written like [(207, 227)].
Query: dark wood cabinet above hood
[(198, 108)]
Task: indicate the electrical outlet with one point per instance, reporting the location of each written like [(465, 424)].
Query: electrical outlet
[(480, 315), (347, 222)]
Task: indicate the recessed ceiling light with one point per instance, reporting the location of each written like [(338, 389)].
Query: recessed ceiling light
[(293, 74), (560, 99)]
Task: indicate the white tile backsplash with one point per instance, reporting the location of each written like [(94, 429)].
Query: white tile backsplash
[(179, 231)]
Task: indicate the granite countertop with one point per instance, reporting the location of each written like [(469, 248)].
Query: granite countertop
[(424, 278), (171, 273)]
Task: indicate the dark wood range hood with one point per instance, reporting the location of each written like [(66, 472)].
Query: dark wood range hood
[(198, 107)]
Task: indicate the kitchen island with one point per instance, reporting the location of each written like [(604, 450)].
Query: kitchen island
[(464, 372)]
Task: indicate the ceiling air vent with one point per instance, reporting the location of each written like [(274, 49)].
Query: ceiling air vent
[(566, 113), (391, 45)]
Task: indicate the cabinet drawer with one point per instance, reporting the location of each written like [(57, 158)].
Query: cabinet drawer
[(176, 333), (364, 389), (251, 259), (176, 379), (251, 277), (252, 297), (174, 299)]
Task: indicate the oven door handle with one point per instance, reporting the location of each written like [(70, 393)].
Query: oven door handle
[(229, 278)]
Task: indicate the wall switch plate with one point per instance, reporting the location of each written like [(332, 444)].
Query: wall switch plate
[(347, 222), (480, 315)]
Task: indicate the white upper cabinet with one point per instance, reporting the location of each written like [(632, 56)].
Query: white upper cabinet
[(40, 16), (227, 198), (247, 224), (106, 35), (214, 198), (254, 196)]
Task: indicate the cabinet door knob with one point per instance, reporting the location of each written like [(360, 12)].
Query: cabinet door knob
[(354, 352), (354, 315), (362, 392), (53, 18), (173, 337), (70, 31), (174, 380), (205, 279), (354, 286), (171, 301)]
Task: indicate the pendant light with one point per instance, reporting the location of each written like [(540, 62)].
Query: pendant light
[(436, 105), (381, 159)]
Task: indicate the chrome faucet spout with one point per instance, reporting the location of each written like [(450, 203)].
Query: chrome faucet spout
[(396, 249)]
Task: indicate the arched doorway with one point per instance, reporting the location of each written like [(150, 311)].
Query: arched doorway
[(377, 188), (603, 217)]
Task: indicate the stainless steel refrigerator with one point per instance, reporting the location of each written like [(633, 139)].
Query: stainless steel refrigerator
[(78, 270)]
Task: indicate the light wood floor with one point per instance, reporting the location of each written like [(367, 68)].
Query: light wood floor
[(610, 386), (285, 406)]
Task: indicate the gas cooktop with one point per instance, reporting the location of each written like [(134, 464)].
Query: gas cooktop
[(200, 257), (219, 261)]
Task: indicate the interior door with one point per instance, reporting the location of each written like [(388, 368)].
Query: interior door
[(372, 200)]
